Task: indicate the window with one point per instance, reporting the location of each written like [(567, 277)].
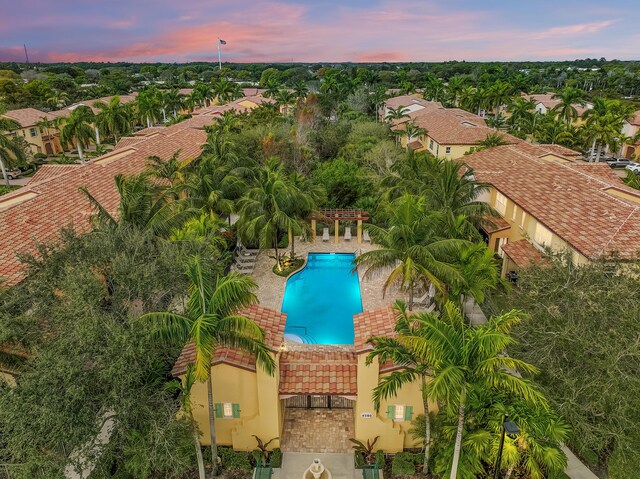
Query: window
[(431, 144), (501, 203), (514, 212), (543, 236), (447, 150), (32, 132), (400, 412), (523, 218), (227, 410)]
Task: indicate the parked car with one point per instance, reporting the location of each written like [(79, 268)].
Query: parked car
[(634, 168), (13, 174), (619, 163)]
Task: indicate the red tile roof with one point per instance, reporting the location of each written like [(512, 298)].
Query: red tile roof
[(376, 322), (550, 103), (522, 253), (560, 150), (48, 172), (49, 205), (491, 224), (127, 141), (635, 119), (319, 372), (451, 126), (569, 199), (271, 321), (415, 145), (408, 100), (26, 117)]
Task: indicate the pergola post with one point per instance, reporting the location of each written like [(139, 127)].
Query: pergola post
[(313, 230), (337, 230), (359, 231)]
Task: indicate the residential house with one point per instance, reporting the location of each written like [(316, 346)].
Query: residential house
[(41, 139), (631, 128), (547, 201), (248, 402), (450, 133), (409, 104), (545, 102)]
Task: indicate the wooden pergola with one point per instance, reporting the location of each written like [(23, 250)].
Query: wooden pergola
[(337, 215)]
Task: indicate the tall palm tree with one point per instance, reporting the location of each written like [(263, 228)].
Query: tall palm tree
[(569, 98), (397, 113), (479, 274), (454, 193), (184, 388), (10, 149), (412, 249), (455, 87), (264, 208), (300, 90), (499, 94), (78, 127), (173, 101), (222, 90), (466, 359), (202, 93), (378, 97), (414, 368), (148, 106), (305, 197), (58, 99), (284, 98), (413, 131), (142, 205), (522, 114), (113, 118), (434, 88), (271, 88), (212, 320)]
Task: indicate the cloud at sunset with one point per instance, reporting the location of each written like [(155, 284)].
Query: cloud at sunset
[(304, 30)]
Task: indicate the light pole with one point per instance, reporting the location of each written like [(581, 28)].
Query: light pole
[(508, 427)]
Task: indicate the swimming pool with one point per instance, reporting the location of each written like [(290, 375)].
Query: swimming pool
[(321, 299)]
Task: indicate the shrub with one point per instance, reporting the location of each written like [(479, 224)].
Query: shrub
[(403, 464), (231, 459), (276, 458), (380, 459)]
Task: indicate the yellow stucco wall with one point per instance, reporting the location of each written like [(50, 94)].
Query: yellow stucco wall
[(394, 435), (438, 150), (513, 214), (37, 142), (260, 410)]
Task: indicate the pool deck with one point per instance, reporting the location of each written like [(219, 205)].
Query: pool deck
[(271, 286)]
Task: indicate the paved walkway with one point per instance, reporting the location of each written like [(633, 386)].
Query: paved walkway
[(294, 464), (317, 430)]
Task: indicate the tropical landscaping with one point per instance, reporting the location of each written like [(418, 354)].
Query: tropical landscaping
[(97, 323)]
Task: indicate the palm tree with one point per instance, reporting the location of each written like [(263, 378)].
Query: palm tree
[(300, 90), (569, 97), (202, 93), (173, 101), (143, 205), (10, 149), (212, 320), (479, 274), (184, 388), (58, 99), (228, 122), (284, 98), (305, 194), (493, 139), (263, 209), (413, 131), (378, 97), (455, 87), (113, 118), (499, 94), (522, 114), (466, 359), (271, 88), (434, 88), (78, 127), (414, 368), (148, 106), (223, 90), (397, 113), (412, 248)]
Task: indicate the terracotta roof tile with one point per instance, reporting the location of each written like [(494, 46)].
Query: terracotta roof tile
[(491, 224), (522, 253), (572, 200), (271, 321), (55, 201), (318, 372), (28, 116), (48, 172), (376, 322), (635, 119)]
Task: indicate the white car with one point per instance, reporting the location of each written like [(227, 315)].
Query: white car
[(633, 168)]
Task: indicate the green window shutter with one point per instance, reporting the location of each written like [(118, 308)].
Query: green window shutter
[(235, 408), (408, 413), (391, 412), (219, 409)]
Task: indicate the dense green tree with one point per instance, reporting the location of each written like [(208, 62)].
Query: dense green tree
[(77, 128), (113, 118)]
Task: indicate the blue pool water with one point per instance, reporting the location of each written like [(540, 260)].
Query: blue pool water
[(321, 299)]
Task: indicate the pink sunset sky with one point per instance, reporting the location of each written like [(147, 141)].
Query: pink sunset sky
[(314, 31)]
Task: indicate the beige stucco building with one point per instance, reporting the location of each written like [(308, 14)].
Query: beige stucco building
[(41, 139)]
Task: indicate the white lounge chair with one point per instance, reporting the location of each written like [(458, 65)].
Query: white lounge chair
[(365, 237), (347, 233), (325, 234)]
